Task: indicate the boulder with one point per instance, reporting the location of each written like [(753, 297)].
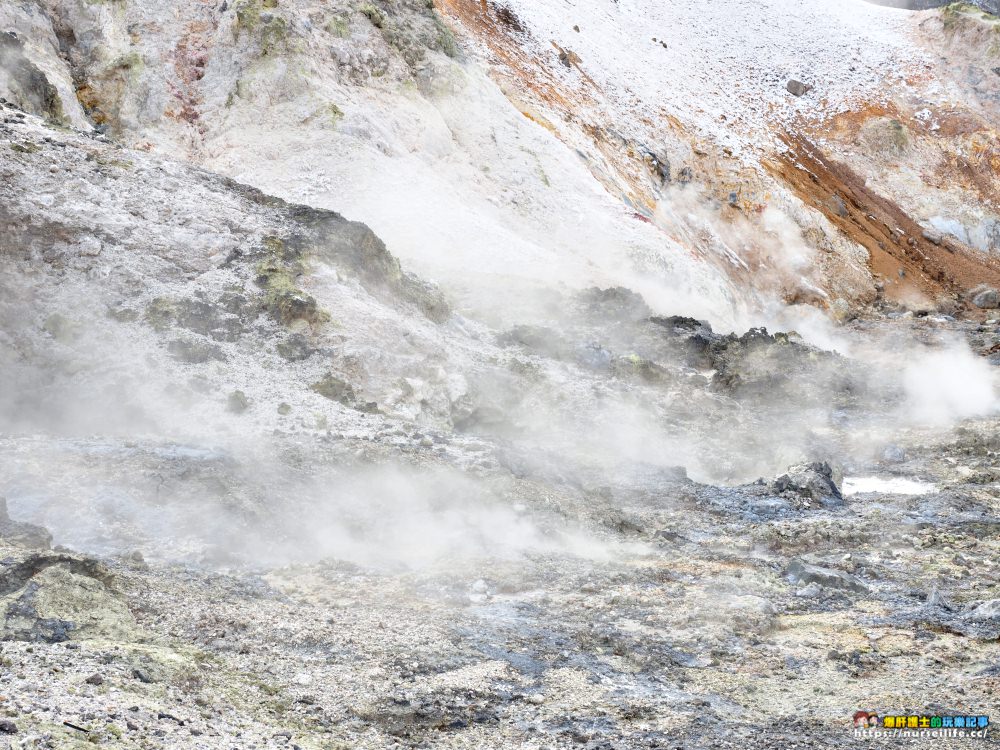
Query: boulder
[(949, 227), (194, 352), (894, 454), (295, 348), (56, 597), (757, 365), (355, 249), (840, 310), (238, 402), (802, 572), (986, 298), (798, 88), (657, 164), (335, 389), (933, 236), (809, 592), (813, 481)]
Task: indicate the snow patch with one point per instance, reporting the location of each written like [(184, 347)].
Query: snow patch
[(886, 486)]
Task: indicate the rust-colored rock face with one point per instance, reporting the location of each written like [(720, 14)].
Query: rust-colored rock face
[(849, 163)]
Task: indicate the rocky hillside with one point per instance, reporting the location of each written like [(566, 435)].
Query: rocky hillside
[(990, 6), (763, 169), (395, 375)]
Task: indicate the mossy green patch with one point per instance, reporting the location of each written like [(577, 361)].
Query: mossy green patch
[(277, 275), (898, 135), (339, 27), (238, 402), (538, 167), (283, 299), (633, 364), (276, 248), (373, 14), (63, 600), (128, 61), (161, 313), (412, 37), (446, 39), (334, 113), (334, 388), (885, 137), (274, 35), (117, 163), (953, 15), (247, 13)]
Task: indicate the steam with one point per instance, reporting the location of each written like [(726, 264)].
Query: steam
[(116, 445), (249, 508), (949, 384)]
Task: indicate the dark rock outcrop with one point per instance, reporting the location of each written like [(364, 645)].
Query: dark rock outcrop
[(354, 248), (24, 83), (56, 597), (990, 6), (813, 481), (799, 571)]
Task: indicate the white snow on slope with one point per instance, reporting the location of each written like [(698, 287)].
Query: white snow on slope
[(723, 66)]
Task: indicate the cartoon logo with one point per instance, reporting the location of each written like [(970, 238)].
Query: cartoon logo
[(865, 720)]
